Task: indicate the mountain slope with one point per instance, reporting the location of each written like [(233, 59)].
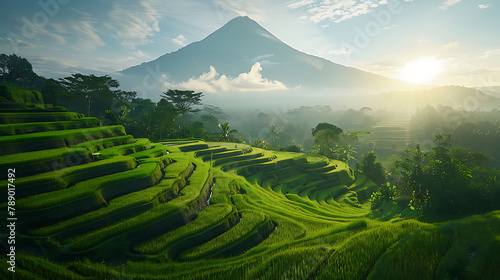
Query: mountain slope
[(242, 42)]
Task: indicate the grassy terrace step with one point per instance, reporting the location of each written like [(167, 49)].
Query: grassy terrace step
[(211, 150), (62, 178), (363, 186), (309, 181), (105, 143), (158, 220), (224, 188), (210, 216), (28, 106), (87, 195), (237, 158), (37, 268), (192, 147), (284, 173), (244, 163), (323, 169), (119, 208), (24, 128), (156, 150), (38, 117), (250, 221), (226, 154), (349, 262), (140, 144), (316, 164), (43, 161), (55, 139)]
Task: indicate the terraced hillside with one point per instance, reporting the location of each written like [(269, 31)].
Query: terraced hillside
[(92, 202), (393, 135)]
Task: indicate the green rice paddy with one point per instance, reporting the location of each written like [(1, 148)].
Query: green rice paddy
[(95, 203)]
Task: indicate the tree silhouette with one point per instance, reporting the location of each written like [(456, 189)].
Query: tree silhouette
[(275, 134), (4, 68), (183, 100), (91, 89)]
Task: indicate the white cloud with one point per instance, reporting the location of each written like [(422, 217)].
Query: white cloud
[(140, 53), (241, 13), (230, 8), (7, 42), (489, 53), (449, 46), (180, 40), (449, 3), (133, 22), (341, 51), (87, 36), (484, 6), (389, 27), (336, 11), (212, 82), (298, 4)]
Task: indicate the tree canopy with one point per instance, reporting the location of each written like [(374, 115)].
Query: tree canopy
[(93, 91), (183, 101)]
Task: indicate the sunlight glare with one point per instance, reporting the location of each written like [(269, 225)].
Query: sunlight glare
[(422, 70)]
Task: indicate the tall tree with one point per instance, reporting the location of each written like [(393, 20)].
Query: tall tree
[(166, 114), (19, 71), (372, 168), (91, 89), (436, 181), (183, 100), (224, 132), (4, 68), (327, 134), (275, 134)]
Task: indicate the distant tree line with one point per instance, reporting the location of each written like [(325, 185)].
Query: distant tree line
[(99, 96)]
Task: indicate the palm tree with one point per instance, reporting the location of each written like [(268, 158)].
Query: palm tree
[(275, 134), (224, 136)]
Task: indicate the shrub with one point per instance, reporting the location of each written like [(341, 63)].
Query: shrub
[(386, 193)]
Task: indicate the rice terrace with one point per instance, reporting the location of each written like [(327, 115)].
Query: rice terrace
[(236, 156)]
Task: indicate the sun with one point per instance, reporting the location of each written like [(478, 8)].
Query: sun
[(422, 70)]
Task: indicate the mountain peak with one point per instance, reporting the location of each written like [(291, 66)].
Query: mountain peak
[(236, 47), (241, 19), (243, 29)]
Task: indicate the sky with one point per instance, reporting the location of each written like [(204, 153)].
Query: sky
[(447, 42)]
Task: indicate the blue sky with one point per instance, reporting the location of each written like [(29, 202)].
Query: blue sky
[(60, 37)]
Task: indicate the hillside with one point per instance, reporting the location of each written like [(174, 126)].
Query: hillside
[(236, 47), (92, 202)]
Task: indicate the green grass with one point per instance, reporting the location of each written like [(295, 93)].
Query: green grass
[(46, 160), (11, 118), (62, 178), (88, 188), (147, 216), (55, 139), (249, 221), (31, 267), (19, 95), (139, 145), (207, 218), (24, 128), (105, 143)]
